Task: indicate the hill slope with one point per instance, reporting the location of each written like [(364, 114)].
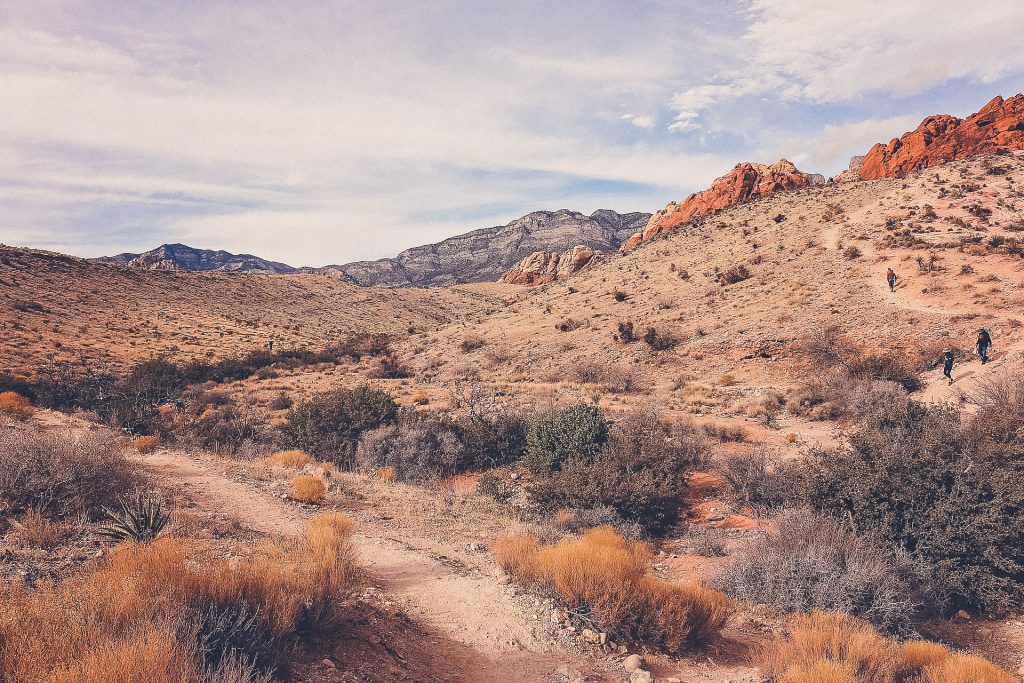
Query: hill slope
[(183, 257)]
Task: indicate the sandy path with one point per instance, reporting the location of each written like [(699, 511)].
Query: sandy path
[(465, 605)]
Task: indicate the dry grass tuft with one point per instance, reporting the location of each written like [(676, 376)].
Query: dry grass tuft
[(605, 579), (38, 531), (146, 444), (13, 404), (138, 614), (290, 460), (308, 489), (832, 647)]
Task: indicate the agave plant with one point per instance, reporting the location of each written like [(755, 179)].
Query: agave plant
[(141, 519)]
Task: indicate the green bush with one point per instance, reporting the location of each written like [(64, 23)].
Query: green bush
[(575, 433), (947, 490), (328, 425), (491, 440)]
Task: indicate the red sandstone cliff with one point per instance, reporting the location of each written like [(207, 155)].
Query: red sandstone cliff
[(548, 266)]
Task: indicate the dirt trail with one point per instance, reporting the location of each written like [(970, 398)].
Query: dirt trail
[(490, 636)]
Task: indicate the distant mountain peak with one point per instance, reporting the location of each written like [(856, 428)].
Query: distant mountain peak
[(183, 257)]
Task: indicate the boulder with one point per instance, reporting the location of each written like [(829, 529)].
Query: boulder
[(547, 266), (632, 663)]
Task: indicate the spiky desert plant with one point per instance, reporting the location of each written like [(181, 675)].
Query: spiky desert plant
[(140, 519)]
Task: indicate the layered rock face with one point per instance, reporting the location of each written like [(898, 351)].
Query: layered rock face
[(183, 257), (745, 182), (485, 255), (998, 126), (547, 266)]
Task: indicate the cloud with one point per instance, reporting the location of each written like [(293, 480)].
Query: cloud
[(640, 121)]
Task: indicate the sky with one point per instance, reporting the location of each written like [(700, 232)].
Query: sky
[(317, 132)]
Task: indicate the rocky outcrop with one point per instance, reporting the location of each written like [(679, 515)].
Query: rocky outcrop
[(547, 266), (485, 255), (182, 257), (998, 126), (745, 182)]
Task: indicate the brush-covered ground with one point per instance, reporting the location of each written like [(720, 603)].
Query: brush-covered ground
[(768, 329)]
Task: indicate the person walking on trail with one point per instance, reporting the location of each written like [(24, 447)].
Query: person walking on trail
[(984, 344), (890, 277), (947, 364)]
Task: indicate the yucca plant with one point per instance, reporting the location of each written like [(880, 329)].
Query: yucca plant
[(140, 519)]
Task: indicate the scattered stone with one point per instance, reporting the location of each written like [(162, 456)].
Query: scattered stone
[(558, 616), (641, 676), (632, 663), (963, 615), (566, 674), (591, 636), (329, 664), (984, 632)]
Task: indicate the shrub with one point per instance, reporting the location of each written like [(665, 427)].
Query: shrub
[(307, 489), (604, 580), (811, 563), (493, 486), (950, 493), (626, 333), (659, 341), (146, 444), (640, 473), (472, 343), (212, 420), (140, 519), (416, 450), (291, 460), (161, 613), (330, 423), (61, 474), (616, 378), (491, 433), (733, 274), (574, 433), (15, 405), (756, 478), (281, 402), (826, 647), (36, 530), (852, 252)]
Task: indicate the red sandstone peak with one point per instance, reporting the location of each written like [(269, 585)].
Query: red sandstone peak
[(548, 266), (745, 182), (941, 138)]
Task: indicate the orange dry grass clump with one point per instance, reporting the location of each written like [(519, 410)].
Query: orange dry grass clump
[(145, 444), (829, 647), (292, 460), (607, 576), (308, 489), (127, 618), (15, 405)]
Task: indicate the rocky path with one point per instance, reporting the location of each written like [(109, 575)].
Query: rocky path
[(484, 633)]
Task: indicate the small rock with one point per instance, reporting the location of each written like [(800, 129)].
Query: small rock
[(602, 638), (558, 616), (623, 650), (329, 664), (984, 632), (591, 636), (963, 615), (632, 663), (641, 676), (564, 674)]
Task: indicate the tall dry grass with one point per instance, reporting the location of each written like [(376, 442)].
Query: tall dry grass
[(141, 613), (15, 405), (292, 460), (606, 579), (832, 647)]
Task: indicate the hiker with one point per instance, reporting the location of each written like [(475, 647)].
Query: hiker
[(947, 364), (890, 277), (270, 346), (984, 344)]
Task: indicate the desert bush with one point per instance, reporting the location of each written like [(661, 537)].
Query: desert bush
[(733, 274), (811, 563), (660, 341), (852, 252), (140, 518), (579, 520), (625, 332), (472, 342), (281, 402), (15, 405), (307, 489), (61, 474), (291, 460), (615, 378), (831, 350), (37, 530), (161, 613), (756, 478), (640, 472), (828, 647), (604, 581), (574, 433), (415, 449), (329, 424), (492, 433), (213, 420), (492, 485), (146, 444), (948, 491)]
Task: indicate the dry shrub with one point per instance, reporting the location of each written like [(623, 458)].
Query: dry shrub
[(36, 530), (307, 489), (290, 460), (62, 474), (756, 477), (830, 647), (15, 405), (145, 444), (161, 614), (604, 580), (415, 450)]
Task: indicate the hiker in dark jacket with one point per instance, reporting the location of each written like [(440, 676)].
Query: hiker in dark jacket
[(984, 344), (890, 277), (947, 364)]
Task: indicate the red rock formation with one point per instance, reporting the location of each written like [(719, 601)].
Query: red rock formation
[(548, 266), (746, 181), (998, 126)]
